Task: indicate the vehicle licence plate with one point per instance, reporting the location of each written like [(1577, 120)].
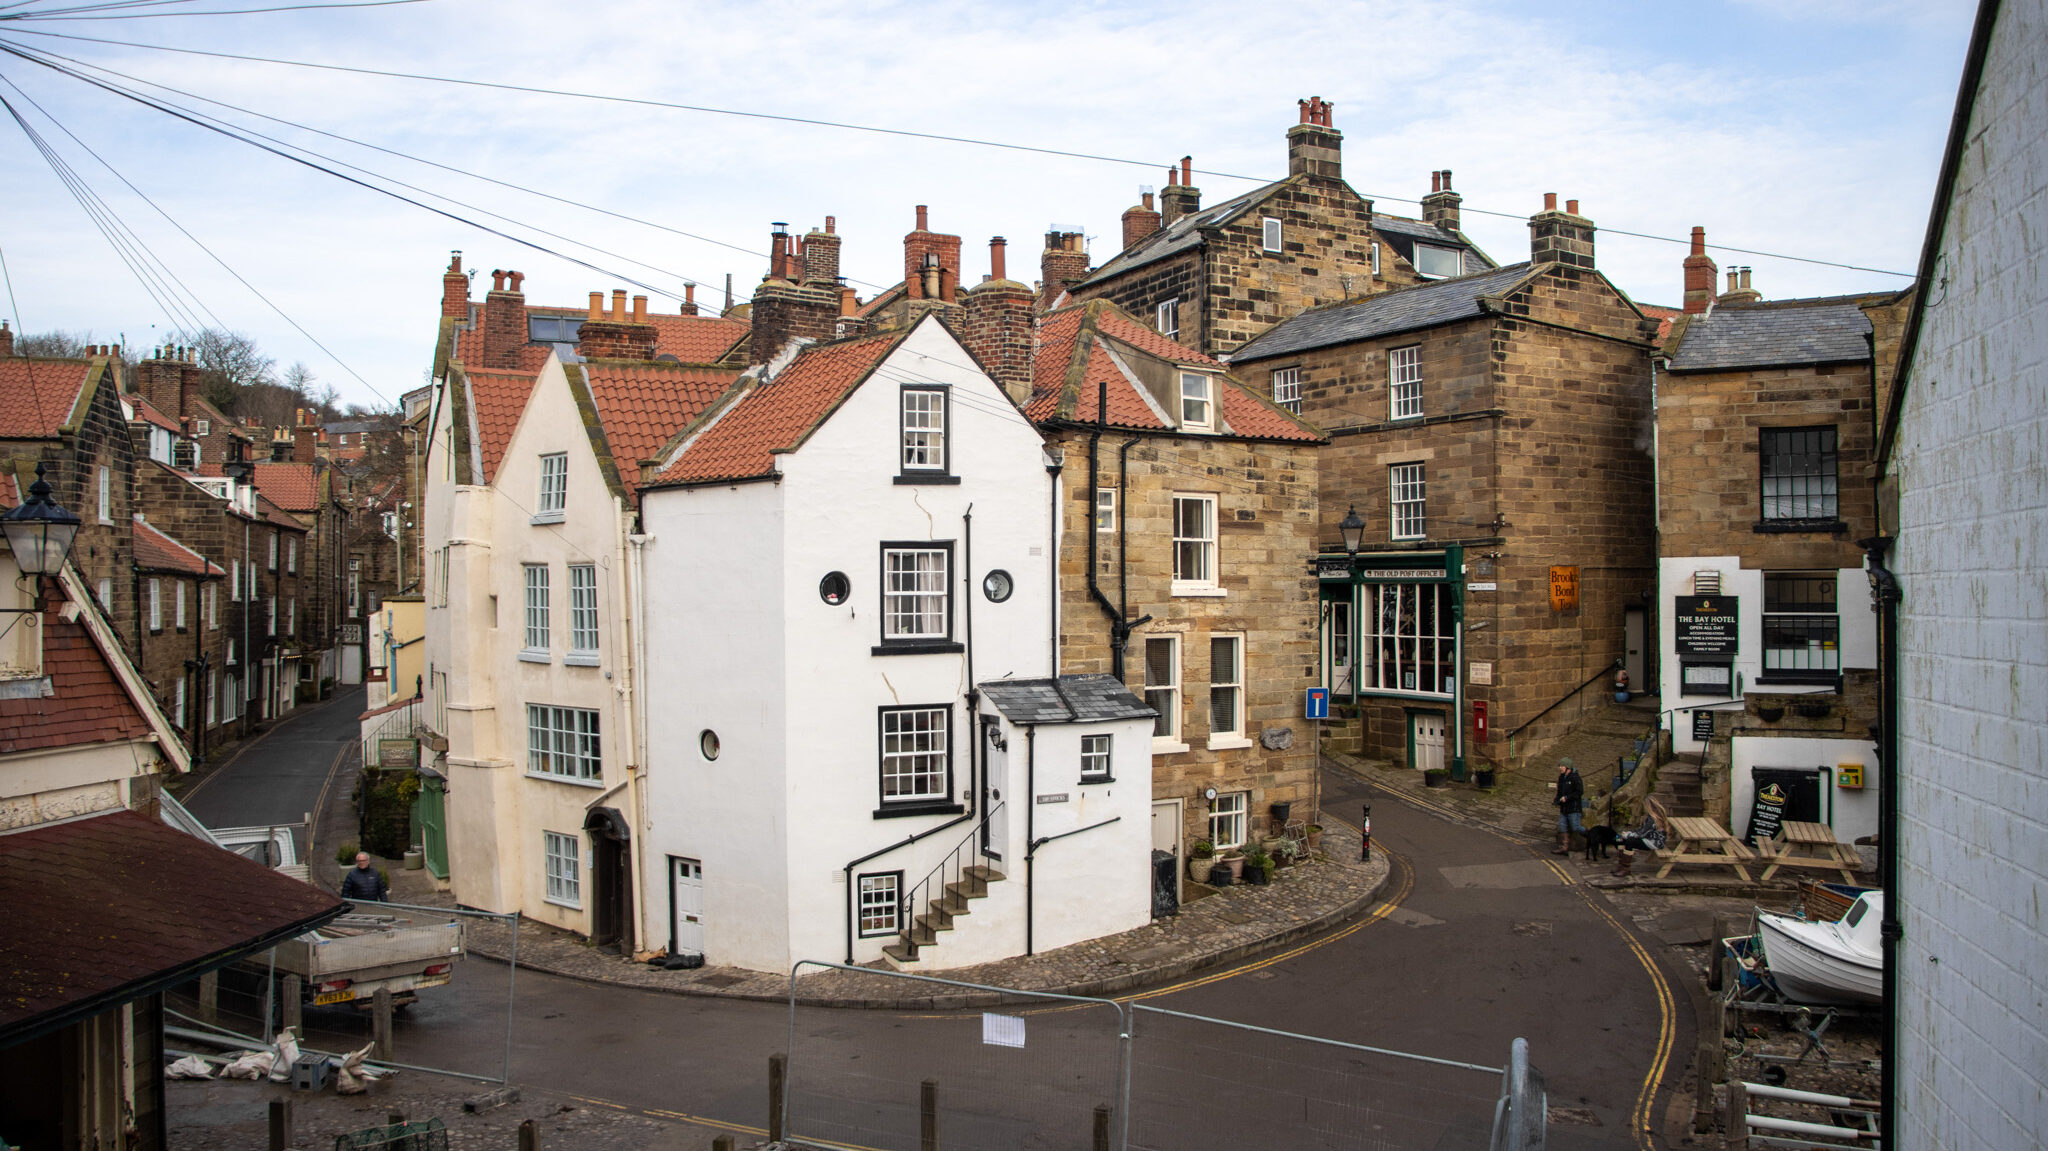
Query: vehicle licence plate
[(342, 996)]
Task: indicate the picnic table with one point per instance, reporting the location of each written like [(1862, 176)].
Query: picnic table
[(1811, 845), (1698, 840)]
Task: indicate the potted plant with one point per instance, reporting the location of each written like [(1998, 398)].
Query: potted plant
[(1435, 777), (1771, 713), (1483, 778), (1231, 862), (1258, 868), (1201, 860), (1315, 837), (1285, 850)]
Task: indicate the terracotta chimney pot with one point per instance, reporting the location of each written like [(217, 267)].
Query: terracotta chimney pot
[(597, 305), (996, 247), (618, 305), (1550, 201)]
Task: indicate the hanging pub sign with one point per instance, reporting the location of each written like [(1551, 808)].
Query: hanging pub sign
[(1766, 813), (1564, 589), (1705, 624)]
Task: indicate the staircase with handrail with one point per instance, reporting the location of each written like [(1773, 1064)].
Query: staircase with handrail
[(945, 894)]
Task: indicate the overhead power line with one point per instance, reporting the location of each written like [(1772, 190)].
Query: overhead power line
[(102, 11), (870, 128)]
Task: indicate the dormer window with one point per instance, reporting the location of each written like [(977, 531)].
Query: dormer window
[(202, 427), (1270, 234), (922, 448), (1197, 402), (1434, 263)]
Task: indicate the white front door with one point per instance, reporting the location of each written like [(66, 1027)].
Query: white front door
[(1166, 827), (685, 906), (1429, 740)]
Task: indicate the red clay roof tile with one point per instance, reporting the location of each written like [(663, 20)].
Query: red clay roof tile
[(37, 396), (87, 704), (643, 406), (156, 551), (498, 398), (293, 487), (741, 441)]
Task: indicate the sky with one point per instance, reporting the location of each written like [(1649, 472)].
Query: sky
[(1798, 128)]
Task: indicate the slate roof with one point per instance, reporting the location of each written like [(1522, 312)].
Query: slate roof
[(1382, 314), (105, 910), (156, 551), (690, 339), (1066, 382), (642, 406), (1068, 699), (1180, 236), (38, 396), (741, 440), (87, 704), (497, 399), (1759, 336)]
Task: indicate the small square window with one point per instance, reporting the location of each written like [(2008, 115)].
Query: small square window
[(564, 868), (881, 903), (1287, 389), (1197, 401), (1167, 319), (1270, 234), (1228, 822), (1094, 759), (1105, 509)]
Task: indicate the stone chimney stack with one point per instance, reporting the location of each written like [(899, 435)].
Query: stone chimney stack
[(923, 242), (1063, 264), (1440, 207), (1140, 219), (504, 321), (821, 254), (1699, 275), (1181, 197), (999, 320), (619, 334), (1561, 237), (1314, 146), (1739, 291), (455, 289)]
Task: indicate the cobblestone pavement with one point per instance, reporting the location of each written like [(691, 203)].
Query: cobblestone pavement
[(1217, 926)]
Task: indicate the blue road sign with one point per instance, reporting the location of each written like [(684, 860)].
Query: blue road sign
[(1318, 703)]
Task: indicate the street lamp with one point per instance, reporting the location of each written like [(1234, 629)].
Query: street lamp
[(39, 531), (1353, 530)]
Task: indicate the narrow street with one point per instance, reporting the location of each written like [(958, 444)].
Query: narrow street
[(279, 778)]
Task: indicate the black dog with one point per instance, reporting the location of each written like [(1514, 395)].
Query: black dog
[(1598, 840)]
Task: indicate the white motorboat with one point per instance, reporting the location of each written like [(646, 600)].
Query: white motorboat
[(1814, 962)]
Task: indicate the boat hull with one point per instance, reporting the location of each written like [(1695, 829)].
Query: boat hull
[(1810, 966)]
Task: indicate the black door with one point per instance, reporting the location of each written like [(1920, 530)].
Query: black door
[(611, 877)]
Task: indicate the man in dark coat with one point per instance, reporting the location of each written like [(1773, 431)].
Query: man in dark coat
[(1570, 801), (364, 882)]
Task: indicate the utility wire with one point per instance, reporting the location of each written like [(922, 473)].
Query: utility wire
[(851, 127), (82, 13)]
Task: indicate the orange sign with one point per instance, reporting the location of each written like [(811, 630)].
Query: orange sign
[(1564, 589)]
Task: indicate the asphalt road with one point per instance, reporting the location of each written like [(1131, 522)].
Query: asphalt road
[(279, 778), (1478, 941)]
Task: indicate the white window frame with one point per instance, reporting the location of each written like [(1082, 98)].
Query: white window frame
[(553, 507), (106, 594), (291, 616), (212, 697), (156, 604), (564, 743), (880, 897), (1105, 509), (1287, 388), (1195, 546), (1455, 255), (1395, 646), (273, 550), (1375, 258), (1197, 404), (1407, 501), (1271, 235), (916, 751), (213, 607), (1097, 760), (538, 635), (178, 604), (106, 495), (235, 580), (230, 701), (178, 703), (562, 863), (271, 617), (1166, 318), (1404, 382), (291, 555), (202, 427), (583, 630), (917, 601), (1163, 695), (1227, 693), (1230, 820), (923, 418)]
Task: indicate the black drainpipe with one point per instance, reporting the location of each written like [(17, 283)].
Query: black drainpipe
[(1030, 818), (1885, 594), (1052, 622), (976, 783), (1119, 631)]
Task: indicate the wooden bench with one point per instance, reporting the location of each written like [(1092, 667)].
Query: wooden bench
[(1697, 840), (1811, 845)]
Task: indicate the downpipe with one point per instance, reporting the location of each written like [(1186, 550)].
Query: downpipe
[(1885, 594)]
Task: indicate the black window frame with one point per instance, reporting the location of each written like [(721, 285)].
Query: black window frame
[(1828, 466), (862, 877), (943, 474), (1817, 618), (915, 645), (943, 803)]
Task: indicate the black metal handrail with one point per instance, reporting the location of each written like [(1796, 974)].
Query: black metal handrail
[(1567, 695), (954, 865)]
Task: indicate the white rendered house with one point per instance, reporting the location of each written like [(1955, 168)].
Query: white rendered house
[(834, 560)]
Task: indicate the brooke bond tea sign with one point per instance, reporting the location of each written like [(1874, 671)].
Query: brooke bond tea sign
[(1705, 624)]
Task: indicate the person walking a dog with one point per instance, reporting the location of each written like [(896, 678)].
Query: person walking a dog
[(1571, 802)]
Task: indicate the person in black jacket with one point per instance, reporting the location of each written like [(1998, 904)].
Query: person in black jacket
[(364, 882), (1570, 801)]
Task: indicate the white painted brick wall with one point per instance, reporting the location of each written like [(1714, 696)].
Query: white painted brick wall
[(1972, 458)]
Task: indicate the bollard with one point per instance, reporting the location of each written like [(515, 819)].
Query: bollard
[(1708, 1061), (380, 1023), (292, 1004), (1735, 1120), (209, 997), (1102, 1127), (722, 1143), (928, 1115), (777, 1070), (529, 1136), (280, 1124), (1365, 834)]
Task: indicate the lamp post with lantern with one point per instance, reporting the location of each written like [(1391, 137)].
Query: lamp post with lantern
[(39, 533)]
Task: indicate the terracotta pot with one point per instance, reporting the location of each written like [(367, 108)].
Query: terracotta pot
[(1234, 864), (1200, 866)]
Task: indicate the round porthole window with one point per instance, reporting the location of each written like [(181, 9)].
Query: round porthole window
[(997, 585), (707, 742), (834, 588)]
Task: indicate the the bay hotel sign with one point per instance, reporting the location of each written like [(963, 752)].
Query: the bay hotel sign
[(1707, 641)]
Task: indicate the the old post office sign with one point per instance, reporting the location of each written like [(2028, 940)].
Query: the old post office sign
[(1564, 589), (1706, 624)]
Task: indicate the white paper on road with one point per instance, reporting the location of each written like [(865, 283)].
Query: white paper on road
[(1002, 1030)]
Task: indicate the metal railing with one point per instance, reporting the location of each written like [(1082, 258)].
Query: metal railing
[(956, 885), (1567, 695)]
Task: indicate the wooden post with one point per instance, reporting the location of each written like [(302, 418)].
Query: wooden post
[(529, 1136), (209, 997), (1735, 1121), (1102, 1127), (380, 1023), (928, 1115), (292, 1004), (777, 1068), (1731, 978), (1708, 1061), (280, 1124), (722, 1143)]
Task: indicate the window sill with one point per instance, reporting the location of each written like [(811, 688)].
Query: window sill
[(926, 478), (1785, 527), (1418, 696), (1167, 746), (920, 807), (581, 659), (1228, 743), (1808, 678), (1092, 780), (1193, 589), (541, 518), (562, 903), (529, 655), (918, 647), (595, 784)]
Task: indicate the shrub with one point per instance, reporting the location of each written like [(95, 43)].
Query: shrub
[(1204, 849), (346, 854)]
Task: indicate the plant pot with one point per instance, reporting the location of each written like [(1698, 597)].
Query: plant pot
[(1234, 864), (1435, 777), (1315, 841), (1200, 866), (415, 859), (1220, 875), (1770, 714), (1621, 697), (1280, 813), (1257, 876), (1483, 777), (1814, 710)]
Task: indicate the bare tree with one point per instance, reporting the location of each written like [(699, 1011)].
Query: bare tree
[(234, 367), (54, 344)]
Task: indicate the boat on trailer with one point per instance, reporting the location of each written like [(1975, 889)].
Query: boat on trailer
[(1827, 963)]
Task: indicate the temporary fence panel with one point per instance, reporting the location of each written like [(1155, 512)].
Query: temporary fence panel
[(1030, 1073)]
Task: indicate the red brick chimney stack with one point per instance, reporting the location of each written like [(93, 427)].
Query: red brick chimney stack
[(922, 242), (504, 321), (689, 299), (1440, 207), (1561, 237), (1180, 198), (1063, 264), (1141, 219), (1315, 147), (455, 289), (619, 333), (999, 323), (1699, 275)]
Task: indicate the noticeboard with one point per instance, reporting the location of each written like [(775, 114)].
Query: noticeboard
[(1705, 624), (1703, 725)]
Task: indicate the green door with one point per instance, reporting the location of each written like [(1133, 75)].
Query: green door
[(431, 811)]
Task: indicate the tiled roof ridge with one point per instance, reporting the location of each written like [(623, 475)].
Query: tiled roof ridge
[(1512, 277), (165, 539)]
